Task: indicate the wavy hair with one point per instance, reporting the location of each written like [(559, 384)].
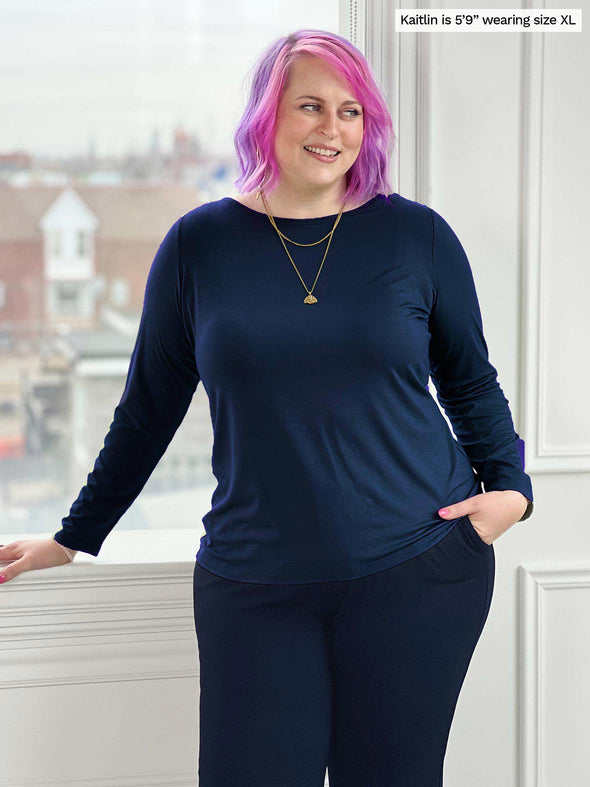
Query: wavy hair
[(255, 133)]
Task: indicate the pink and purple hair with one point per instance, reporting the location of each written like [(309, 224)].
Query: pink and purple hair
[(369, 175)]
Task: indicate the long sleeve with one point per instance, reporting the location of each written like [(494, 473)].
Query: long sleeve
[(465, 380), (161, 381)]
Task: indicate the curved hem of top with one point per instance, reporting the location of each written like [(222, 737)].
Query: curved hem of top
[(371, 203), (210, 564)]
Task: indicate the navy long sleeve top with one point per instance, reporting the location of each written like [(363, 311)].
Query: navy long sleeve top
[(331, 455)]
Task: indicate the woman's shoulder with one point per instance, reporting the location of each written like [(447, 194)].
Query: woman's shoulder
[(206, 212), (248, 200)]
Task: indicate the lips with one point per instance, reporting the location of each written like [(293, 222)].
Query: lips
[(323, 147), (324, 159)]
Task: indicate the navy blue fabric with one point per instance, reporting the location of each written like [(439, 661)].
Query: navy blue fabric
[(361, 676), (331, 455)]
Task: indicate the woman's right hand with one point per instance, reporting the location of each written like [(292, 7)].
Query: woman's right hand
[(29, 555)]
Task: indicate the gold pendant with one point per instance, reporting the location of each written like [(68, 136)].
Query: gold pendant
[(310, 299)]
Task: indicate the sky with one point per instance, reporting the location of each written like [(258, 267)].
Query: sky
[(107, 74)]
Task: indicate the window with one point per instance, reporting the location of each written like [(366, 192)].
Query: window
[(82, 239), (138, 109), (57, 243), (67, 298), (120, 294)]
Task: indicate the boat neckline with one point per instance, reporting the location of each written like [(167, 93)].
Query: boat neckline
[(359, 209)]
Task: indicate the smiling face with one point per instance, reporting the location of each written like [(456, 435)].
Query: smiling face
[(318, 110)]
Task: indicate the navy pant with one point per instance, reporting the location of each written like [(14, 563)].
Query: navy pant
[(360, 676)]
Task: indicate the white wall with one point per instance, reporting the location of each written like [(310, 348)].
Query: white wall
[(494, 136)]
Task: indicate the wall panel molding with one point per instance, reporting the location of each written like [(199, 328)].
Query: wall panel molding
[(543, 410), (553, 606)]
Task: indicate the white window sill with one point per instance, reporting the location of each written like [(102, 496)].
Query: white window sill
[(132, 547)]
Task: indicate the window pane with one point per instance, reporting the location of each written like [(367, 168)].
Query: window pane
[(117, 119)]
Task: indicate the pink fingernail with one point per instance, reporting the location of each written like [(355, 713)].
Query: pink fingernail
[(2, 578)]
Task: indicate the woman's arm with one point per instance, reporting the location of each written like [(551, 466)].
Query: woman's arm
[(161, 381), (465, 380)]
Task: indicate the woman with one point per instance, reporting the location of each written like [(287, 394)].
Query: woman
[(348, 566)]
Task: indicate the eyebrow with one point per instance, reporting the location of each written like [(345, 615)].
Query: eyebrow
[(317, 98)]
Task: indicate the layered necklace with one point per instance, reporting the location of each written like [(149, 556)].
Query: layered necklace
[(310, 298)]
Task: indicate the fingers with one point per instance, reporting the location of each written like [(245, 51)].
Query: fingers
[(12, 555), (10, 552), (12, 570)]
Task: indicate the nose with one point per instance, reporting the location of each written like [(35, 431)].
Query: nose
[(329, 124)]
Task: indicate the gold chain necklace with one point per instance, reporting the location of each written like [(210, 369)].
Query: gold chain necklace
[(310, 297)]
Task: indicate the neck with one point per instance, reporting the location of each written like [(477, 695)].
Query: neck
[(304, 203)]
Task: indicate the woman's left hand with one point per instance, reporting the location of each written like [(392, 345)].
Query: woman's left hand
[(490, 513)]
